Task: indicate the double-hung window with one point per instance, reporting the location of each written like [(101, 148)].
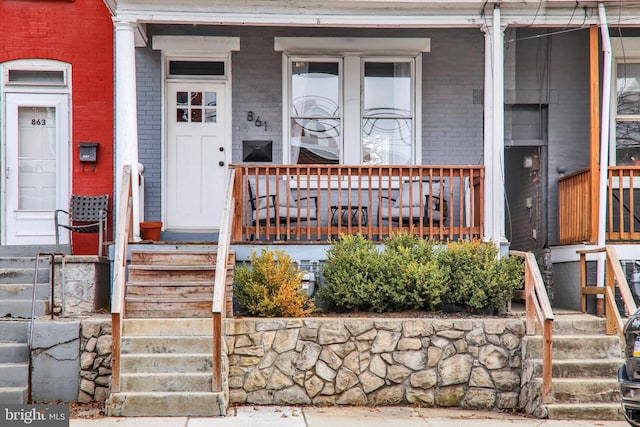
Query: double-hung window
[(360, 106), (628, 113)]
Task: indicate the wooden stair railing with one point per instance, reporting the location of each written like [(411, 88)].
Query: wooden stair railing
[(218, 308), (123, 234), (538, 308), (614, 275)]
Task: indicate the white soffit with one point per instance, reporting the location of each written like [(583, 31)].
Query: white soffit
[(179, 45), (352, 44)]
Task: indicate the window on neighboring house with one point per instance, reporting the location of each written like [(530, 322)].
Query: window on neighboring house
[(352, 109), (628, 113)]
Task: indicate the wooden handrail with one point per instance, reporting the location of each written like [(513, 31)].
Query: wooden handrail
[(218, 308), (538, 308), (614, 276), (123, 234)]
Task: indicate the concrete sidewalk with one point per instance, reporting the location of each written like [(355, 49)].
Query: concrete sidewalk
[(288, 416)]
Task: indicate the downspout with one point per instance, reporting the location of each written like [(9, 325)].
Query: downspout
[(605, 129)]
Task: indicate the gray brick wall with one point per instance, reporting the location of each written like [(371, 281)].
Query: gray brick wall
[(557, 69), (149, 91), (452, 109)]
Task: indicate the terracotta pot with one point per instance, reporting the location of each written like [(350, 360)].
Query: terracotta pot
[(150, 230)]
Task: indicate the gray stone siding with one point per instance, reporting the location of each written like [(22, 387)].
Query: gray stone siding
[(469, 363), (95, 359)]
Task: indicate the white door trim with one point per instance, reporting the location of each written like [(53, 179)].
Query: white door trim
[(61, 101), (198, 48)]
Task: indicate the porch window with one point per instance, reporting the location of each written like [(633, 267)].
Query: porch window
[(315, 114), (387, 114), (628, 114), (351, 109)]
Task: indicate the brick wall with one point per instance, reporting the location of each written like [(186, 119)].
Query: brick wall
[(79, 33)]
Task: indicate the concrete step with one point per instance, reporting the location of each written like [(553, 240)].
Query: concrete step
[(174, 381), (576, 368), (23, 262), (21, 308), (24, 274), (577, 324), (9, 291), (167, 327), (13, 352), (13, 395), (140, 404), (584, 390), (14, 374), (575, 347), (168, 344), (159, 363), (586, 411), (14, 330)]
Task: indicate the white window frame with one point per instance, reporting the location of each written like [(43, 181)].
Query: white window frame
[(353, 52)]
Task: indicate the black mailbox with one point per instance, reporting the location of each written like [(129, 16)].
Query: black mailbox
[(88, 151)]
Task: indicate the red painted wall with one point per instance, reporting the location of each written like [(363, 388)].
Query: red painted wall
[(78, 32)]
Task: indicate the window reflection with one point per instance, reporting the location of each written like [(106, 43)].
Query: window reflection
[(387, 122), (315, 112), (628, 114)]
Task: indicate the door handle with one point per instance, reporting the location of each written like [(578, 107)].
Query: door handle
[(221, 163)]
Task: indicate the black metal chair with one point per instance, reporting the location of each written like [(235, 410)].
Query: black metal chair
[(87, 214), (273, 202)]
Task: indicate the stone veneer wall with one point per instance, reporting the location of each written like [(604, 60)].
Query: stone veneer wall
[(95, 359), (470, 363)]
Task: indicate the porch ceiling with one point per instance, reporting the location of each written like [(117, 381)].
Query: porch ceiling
[(368, 13)]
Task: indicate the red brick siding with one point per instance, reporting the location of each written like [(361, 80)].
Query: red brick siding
[(78, 32)]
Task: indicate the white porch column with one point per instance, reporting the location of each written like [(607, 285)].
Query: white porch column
[(494, 201), (126, 144)]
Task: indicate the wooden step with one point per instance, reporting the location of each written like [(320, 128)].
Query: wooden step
[(162, 273), (181, 257), (171, 289), (140, 307)]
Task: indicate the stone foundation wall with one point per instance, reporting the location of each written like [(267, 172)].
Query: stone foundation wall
[(95, 359), (85, 281), (470, 363)]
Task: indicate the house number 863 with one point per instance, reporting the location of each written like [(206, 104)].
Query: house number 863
[(38, 122)]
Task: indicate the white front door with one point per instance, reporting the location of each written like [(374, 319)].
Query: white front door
[(198, 149), (37, 166)]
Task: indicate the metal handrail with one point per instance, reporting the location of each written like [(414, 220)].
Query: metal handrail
[(538, 308)]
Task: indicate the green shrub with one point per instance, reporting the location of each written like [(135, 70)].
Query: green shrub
[(405, 275), (350, 273), (271, 287), (480, 279)]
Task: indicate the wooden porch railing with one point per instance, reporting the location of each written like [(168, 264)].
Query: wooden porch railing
[(577, 207), (623, 203), (314, 203), (614, 275), (574, 207), (538, 308), (218, 308), (123, 235)]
